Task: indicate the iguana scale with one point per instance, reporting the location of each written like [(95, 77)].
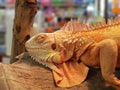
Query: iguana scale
[(70, 51)]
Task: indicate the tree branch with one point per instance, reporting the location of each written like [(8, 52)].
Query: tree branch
[(25, 10)]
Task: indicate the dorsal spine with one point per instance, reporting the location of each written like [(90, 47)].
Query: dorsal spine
[(75, 25)]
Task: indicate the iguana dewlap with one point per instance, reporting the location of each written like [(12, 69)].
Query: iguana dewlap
[(70, 50)]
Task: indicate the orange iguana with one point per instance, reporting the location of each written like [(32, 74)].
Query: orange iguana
[(70, 51)]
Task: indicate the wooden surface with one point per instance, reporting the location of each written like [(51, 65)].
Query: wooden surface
[(29, 75)]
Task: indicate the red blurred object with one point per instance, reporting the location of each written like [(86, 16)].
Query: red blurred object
[(46, 2), (11, 2), (48, 19), (49, 29)]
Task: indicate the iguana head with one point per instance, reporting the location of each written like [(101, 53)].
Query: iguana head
[(48, 47)]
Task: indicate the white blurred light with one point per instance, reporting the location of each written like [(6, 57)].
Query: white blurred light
[(90, 8)]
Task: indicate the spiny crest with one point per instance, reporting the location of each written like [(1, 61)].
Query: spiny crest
[(74, 26)]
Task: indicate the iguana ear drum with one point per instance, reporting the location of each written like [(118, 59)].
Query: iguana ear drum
[(53, 46)]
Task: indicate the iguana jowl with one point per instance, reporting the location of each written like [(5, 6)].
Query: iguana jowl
[(72, 49)]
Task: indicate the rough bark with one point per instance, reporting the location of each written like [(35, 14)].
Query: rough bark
[(25, 11), (26, 74)]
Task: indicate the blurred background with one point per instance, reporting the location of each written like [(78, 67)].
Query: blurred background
[(53, 14)]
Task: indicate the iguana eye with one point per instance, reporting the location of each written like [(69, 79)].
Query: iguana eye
[(53, 46), (41, 38)]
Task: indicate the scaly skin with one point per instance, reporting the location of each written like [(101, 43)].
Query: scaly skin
[(95, 48)]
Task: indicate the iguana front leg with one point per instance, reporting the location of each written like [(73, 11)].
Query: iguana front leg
[(108, 59)]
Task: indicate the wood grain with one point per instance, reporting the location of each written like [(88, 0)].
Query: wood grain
[(26, 74), (25, 10)]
